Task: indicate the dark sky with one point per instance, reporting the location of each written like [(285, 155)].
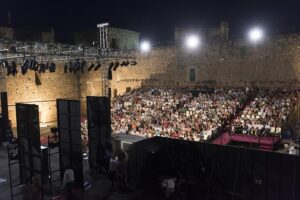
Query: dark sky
[(155, 19)]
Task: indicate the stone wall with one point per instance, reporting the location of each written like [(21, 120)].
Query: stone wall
[(23, 88), (90, 85), (274, 63)]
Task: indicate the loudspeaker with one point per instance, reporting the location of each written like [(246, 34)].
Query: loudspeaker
[(99, 129), (4, 118), (70, 147), (29, 142)]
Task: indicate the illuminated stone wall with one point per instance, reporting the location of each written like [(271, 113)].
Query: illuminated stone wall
[(274, 63), (23, 88)]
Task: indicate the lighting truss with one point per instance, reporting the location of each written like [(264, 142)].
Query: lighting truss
[(15, 50)]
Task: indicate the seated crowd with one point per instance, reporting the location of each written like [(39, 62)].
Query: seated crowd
[(175, 113), (266, 114)]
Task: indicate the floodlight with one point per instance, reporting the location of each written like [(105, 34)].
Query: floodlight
[(192, 41), (256, 34), (145, 46)]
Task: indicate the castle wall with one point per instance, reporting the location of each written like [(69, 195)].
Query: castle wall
[(274, 63), (23, 88)]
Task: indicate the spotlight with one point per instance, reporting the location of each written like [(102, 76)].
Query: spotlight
[(123, 63), (91, 67), (9, 70), (81, 66), (47, 67), (111, 65), (43, 68), (97, 66), (76, 66), (256, 35), (116, 66), (192, 41), (52, 67), (5, 63), (66, 68), (133, 63), (145, 46), (13, 49), (71, 67), (32, 64), (14, 68), (25, 67)]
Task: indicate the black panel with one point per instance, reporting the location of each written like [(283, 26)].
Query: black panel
[(99, 129), (4, 117), (222, 172), (28, 131), (68, 117)]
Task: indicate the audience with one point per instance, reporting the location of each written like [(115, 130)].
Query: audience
[(175, 113), (266, 114), (199, 115)]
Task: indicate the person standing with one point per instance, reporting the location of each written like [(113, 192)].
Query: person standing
[(68, 182), (113, 164), (122, 170)]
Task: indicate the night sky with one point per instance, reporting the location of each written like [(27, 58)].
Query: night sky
[(155, 19)]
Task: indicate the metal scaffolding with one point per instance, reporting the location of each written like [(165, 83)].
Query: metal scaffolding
[(17, 51), (103, 35)]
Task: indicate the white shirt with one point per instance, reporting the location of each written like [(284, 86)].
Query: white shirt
[(68, 176), (113, 165)]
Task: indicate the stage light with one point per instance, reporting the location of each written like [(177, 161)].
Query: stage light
[(145, 46), (123, 63), (256, 35), (97, 66), (192, 41), (42, 68), (71, 67), (133, 63), (91, 67), (76, 66), (66, 68), (82, 65), (24, 68), (116, 66), (9, 70), (14, 68), (111, 65), (32, 64), (5, 63), (52, 67)]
